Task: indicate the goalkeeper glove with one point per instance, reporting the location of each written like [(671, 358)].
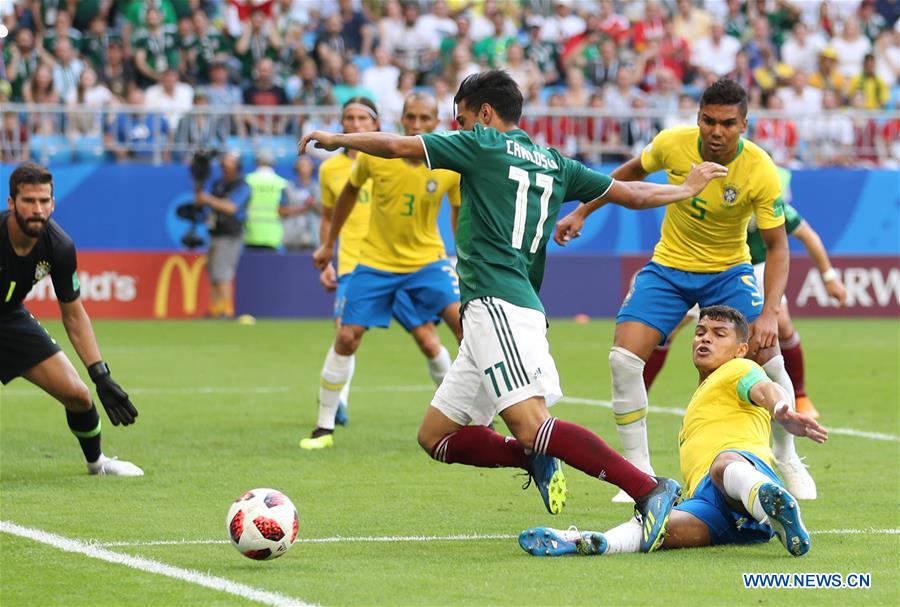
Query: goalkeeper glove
[(115, 400)]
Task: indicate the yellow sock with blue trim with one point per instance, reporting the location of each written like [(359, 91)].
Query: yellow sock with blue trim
[(335, 374)]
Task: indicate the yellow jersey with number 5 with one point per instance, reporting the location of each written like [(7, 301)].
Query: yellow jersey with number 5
[(720, 416), (403, 233), (333, 175), (708, 233)]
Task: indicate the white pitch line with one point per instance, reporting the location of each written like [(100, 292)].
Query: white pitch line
[(212, 390), (150, 566), (426, 538)]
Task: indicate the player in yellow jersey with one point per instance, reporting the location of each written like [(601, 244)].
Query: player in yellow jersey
[(402, 255), (732, 494), (359, 115), (702, 258)]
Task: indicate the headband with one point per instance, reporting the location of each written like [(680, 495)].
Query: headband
[(363, 107)]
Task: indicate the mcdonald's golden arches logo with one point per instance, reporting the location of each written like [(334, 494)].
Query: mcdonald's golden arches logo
[(189, 272)]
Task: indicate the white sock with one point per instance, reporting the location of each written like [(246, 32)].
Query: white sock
[(345, 391), (742, 482), (629, 400), (335, 373), (782, 440), (439, 366), (624, 538)]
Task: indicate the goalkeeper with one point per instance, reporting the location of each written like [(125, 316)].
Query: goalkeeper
[(33, 246)]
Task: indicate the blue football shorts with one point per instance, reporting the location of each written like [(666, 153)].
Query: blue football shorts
[(726, 525), (661, 296), (415, 298)]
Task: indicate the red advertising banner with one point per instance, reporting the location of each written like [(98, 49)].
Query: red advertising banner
[(133, 285), (873, 286)]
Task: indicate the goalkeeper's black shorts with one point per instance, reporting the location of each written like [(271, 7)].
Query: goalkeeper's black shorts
[(24, 343)]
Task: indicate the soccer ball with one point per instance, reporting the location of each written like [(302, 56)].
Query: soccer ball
[(262, 524)]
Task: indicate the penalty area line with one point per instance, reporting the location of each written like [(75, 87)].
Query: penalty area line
[(468, 537), (191, 576)]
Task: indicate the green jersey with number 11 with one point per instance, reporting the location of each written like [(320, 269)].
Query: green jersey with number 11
[(511, 192)]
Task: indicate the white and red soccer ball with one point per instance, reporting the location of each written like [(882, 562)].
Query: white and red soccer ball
[(262, 524)]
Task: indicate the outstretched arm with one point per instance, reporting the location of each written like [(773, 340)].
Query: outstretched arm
[(770, 395), (383, 145), (638, 195), (813, 244), (632, 170)]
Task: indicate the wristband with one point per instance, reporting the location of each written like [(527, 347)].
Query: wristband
[(780, 407), (829, 275), (97, 370)]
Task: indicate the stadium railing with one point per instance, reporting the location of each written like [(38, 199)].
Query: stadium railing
[(72, 134)]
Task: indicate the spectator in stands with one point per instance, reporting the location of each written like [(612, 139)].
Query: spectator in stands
[(690, 22), (62, 30), (350, 85), (448, 43), (14, 147), (556, 131), (865, 133), (390, 26), (600, 68), (381, 77), (392, 106), (777, 135), (330, 40), (650, 27), (675, 52), (199, 130), (851, 47), (212, 46), (802, 101), (461, 65), (95, 42), (290, 13), (759, 43), (736, 23), (887, 55), (137, 134), (875, 91), (66, 70), (155, 48), (742, 74), (22, 60), (301, 213), (544, 54), (93, 98), (664, 96), (770, 74), (221, 92), (227, 201), (594, 132), (413, 50), (781, 15), (613, 25), (826, 76), (483, 23), (439, 22), (171, 97), (889, 144), (577, 93), (186, 46), (40, 89), (265, 93), (830, 136), (640, 130), (619, 97), (443, 97), (307, 88), (259, 42), (562, 24), (801, 49), (522, 70), (871, 22), (491, 50), (716, 53), (357, 32), (117, 73)]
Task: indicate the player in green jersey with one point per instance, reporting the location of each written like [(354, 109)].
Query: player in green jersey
[(511, 193)]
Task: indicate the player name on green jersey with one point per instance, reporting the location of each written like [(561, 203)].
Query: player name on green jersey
[(511, 193)]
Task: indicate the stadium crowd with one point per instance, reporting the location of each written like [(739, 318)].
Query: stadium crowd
[(600, 77)]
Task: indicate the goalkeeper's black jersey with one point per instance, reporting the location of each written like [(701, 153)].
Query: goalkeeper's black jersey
[(53, 255)]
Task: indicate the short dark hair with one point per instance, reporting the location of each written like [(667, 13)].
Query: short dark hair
[(497, 89), (26, 174), (728, 313), (725, 92)]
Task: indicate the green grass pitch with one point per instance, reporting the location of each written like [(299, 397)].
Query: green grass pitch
[(222, 407)]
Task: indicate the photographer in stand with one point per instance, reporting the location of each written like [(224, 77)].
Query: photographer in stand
[(226, 201)]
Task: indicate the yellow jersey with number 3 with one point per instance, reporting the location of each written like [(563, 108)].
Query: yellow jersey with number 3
[(720, 416), (403, 234), (708, 233), (333, 176)]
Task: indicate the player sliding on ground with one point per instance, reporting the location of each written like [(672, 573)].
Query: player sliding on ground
[(733, 496), (702, 258), (33, 246), (511, 193), (402, 262)]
